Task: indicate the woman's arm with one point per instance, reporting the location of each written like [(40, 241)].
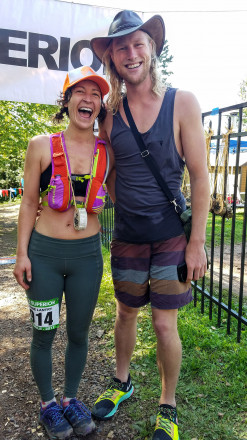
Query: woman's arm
[(28, 210)]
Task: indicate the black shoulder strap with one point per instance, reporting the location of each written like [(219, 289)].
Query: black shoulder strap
[(150, 161)]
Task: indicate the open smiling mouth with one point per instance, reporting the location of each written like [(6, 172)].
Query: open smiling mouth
[(85, 112), (133, 66)]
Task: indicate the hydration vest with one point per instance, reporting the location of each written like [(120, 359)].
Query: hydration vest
[(60, 196)]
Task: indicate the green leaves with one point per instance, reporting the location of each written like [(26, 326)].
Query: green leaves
[(19, 122), (165, 59)]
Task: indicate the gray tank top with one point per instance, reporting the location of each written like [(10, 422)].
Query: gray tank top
[(143, 214)]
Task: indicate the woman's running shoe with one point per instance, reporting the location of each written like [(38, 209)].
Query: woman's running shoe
[(54, 422), (79, 417)]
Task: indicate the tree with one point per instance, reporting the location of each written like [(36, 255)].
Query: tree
[(243, 91), (164, 60), (243, 97), (19, 122)]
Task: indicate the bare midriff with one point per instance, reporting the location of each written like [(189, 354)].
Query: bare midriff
[(60, 225)]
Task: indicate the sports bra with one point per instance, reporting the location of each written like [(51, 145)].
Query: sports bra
[(79, 181)]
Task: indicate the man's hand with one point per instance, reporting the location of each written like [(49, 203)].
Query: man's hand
[(23, 267), (196, 260), (39, 210)]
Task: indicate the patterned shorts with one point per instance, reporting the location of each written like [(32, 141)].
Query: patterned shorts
[(144, 273)]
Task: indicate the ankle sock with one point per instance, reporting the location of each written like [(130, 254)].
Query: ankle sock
[(45, 404), (66, 400)]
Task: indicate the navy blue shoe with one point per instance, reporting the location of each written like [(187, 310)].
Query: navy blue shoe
[(79, 417), (54, 422)]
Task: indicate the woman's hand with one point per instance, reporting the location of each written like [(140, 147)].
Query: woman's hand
[(23, 268)]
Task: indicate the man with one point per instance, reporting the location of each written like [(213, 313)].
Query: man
[(148, 241)]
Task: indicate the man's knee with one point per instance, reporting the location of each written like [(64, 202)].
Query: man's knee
[(125, 313), (165, 323)]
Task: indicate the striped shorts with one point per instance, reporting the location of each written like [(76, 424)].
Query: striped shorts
[(144, 273)]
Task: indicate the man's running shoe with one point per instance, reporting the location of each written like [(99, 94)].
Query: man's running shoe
[(55, 424), (107, 404), (79, 417), (166, 424)]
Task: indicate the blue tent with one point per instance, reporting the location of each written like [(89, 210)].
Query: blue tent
[(233, 146)]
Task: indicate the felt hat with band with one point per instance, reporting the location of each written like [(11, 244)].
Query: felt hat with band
[(85, 73), (126, 22)]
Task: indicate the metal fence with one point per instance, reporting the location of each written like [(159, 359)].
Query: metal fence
[(223, 291)]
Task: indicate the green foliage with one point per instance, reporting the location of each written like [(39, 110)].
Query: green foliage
[(243, 91), (243, 97), (228, 228), (19, 122), (165, 59), (211, 393)]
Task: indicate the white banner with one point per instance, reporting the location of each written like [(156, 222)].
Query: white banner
[(40, 40)]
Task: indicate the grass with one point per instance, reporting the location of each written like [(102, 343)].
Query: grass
[(211, 394), (228, 228)]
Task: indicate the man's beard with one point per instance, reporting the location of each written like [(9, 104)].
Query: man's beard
[(138, 79)]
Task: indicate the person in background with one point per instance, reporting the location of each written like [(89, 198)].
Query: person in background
[(149, 240), (61, 251)]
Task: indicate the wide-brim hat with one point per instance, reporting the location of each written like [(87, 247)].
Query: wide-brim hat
[(127, 22), (85, 73)]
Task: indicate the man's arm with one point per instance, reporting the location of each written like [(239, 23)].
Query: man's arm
[(194, 151)]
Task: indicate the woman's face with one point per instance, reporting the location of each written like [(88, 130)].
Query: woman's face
[(84, 104)]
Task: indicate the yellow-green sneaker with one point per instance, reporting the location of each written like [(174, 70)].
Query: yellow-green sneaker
[(107, 404), (166, 424)]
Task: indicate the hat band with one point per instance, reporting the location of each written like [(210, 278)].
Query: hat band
[(123, 28)]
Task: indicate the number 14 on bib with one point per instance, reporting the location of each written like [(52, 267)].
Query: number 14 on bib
[(44, 314)]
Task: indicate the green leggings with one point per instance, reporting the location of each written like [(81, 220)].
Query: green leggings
[(74, 267)]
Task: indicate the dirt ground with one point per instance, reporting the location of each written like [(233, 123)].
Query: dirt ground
[(19, 399)]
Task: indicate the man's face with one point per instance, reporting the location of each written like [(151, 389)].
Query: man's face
[(131, 56)]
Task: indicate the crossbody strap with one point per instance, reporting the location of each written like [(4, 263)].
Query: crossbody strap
[(150, 161)]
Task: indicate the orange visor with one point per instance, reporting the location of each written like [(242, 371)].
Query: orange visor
[(85, 73)]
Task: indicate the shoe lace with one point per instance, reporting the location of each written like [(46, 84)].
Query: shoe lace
[(79, 409), (112, 391), (165, 417), (54, 414)]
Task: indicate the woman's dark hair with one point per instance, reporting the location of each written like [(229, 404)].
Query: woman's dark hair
[(64, 99)]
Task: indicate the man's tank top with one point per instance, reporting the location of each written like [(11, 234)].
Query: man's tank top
[(143, 214)]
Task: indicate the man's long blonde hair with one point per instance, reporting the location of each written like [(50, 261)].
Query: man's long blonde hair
[(118, 89)]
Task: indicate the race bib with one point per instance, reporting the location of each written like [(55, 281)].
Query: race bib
[(44, 314)]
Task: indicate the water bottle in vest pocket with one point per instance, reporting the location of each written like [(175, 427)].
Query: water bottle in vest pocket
[(59, 193)]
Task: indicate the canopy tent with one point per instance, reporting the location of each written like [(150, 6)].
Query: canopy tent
[(233, 145)]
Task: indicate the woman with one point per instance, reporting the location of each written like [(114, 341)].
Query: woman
[(61, 252)]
